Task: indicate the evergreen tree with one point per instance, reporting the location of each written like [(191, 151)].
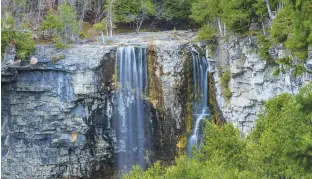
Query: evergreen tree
[(177, 9), (136, 11), (64, 24), (18, 37)]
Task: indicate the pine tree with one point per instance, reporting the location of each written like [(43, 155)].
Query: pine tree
[(136, 11)]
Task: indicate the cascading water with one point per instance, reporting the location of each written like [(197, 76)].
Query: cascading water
[(200, 99), (132, 84)]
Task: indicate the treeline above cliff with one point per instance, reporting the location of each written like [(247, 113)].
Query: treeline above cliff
[(281, 21), (279, 147)]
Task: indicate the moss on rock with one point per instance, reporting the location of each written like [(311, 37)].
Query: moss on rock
[(215, 111)]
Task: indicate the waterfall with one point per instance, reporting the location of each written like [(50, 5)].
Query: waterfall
[(132, 88), (200, 98)]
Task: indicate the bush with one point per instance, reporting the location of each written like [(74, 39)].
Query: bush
[(86, 30), (207, 33), (237, 14), (63, 22), (227, 92), (276, 71), (225, 79), (23, 42), (24, 45), (59, 43), (264, 47), (298, 45), (12, 37), (100, 26), (281, 26)]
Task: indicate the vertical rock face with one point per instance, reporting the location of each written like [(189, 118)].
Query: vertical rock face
[(168, 77), (252, 81), (56, 118)]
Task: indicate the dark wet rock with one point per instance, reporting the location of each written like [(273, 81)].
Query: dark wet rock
[(50, 115)]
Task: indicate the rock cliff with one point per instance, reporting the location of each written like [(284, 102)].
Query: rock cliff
[(58, 115), (252, 81)]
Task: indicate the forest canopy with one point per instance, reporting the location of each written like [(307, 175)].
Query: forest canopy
[(286, 22)]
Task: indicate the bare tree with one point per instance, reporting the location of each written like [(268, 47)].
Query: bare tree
[(109, 9), (269, 10)]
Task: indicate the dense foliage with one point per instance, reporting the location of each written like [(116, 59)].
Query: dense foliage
[(280, 146), (134, 11), (177, 10), (63, 23), (18, 38), (224, 83), (290, 20)]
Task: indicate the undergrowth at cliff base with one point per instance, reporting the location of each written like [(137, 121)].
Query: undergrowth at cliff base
[(280, 146)]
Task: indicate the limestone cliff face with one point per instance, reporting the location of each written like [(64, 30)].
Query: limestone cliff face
[(58, 116), (252, 81), (169, 74)]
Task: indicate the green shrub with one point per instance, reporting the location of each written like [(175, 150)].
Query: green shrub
[(59, 43), (100, 26), (207, 33), (287, 61), (276, 71), (7, 36), (264, 47), (298, 70), (86, 30), (24, 45), (298, 45), (227, 93), (23, 42), (237, 14), (281, 26), (20, 39), (63, 22), (225, 79)]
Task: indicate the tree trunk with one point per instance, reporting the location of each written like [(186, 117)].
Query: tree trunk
[(269, 10), (139, 24), (39, 7), (110, 20), (220, 26), (224, 29), (137, 27), (102, 36), (107, 34), (263, 28)]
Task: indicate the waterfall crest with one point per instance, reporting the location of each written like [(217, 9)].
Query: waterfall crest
[(132, 88)]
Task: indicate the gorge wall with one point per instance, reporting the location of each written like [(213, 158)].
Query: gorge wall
[(252, 81), (58, 115)]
